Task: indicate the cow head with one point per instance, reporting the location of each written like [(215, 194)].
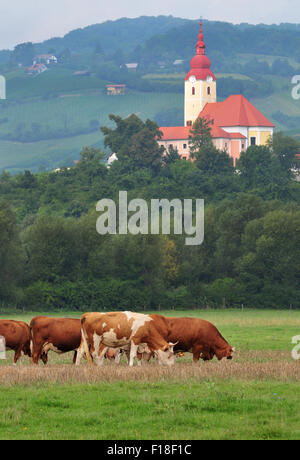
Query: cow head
[(166, 354), (225, 352)]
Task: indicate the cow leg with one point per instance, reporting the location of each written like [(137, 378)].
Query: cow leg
[(196, 355), (139, 358), (37, 353), (127, 352), (118, 357), (75, 357), (44, 357), (79, 353), (133, 353), (18, 353), (100, 354)]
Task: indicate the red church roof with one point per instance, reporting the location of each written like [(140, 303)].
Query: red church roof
[(175, 133), (236, 110)]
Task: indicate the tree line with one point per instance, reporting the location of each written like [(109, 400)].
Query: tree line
[(51, 256)]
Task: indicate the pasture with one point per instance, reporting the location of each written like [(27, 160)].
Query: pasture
[(254, 396), (69, 111)]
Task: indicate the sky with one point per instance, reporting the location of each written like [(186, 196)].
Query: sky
[(38, 20)]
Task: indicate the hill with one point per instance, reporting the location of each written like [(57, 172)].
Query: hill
[(47, 119)]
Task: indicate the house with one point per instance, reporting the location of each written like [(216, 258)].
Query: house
[(115, 90), (235, 123), (36, 69), (45, 59), (132, 66), (112, 157), (178, 62)]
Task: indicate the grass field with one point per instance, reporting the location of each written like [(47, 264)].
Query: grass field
[(254, 396), (72, 111), (57, 100)]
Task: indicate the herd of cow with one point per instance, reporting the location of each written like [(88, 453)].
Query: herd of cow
[(97, 336)]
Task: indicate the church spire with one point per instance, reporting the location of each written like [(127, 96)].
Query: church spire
[(200, 46), (200, 83), (200, 64)]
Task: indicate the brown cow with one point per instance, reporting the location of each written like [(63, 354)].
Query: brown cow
[(17, 337), (60, 335), (113, 354), (122, 330), (194, 335)]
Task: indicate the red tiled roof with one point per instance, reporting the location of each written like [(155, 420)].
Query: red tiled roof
[(175, 132), (236, 110), (237, 136), (182, 132)]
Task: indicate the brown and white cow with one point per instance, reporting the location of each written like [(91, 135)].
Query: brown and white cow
[(135, 331), (194, 335), (17, 337), (60, 335)]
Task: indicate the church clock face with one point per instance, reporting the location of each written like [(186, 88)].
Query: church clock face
[(192, 79), (209, 79)]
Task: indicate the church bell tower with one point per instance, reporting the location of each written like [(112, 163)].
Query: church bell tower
[(200, 84)]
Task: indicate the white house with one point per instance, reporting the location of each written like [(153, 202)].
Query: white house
[(45, 59)]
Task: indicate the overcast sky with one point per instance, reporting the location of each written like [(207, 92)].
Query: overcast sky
[(37, 20)]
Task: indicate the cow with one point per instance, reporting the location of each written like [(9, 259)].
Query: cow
[(113, 354), (194, 335), (133, 331), (17, 337), (60, 335)]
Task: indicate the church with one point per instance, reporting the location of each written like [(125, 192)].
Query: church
[(235, 123)]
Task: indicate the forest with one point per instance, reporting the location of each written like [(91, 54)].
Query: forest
[(52, 258)]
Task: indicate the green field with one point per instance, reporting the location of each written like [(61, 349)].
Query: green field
[(73, 111), (254, 396), (59, 101)]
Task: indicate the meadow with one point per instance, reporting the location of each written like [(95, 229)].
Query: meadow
[(69, 111), (253, 396), (59, 101)]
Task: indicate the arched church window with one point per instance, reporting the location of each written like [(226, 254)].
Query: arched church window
[(193, 91), (208, 90)]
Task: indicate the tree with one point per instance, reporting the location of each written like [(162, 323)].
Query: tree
[(23, 54), (200, 135), (11, 255), (285, 148), (171, 155), (260, 169), (134, 142), (213, 161), (90, 154)]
